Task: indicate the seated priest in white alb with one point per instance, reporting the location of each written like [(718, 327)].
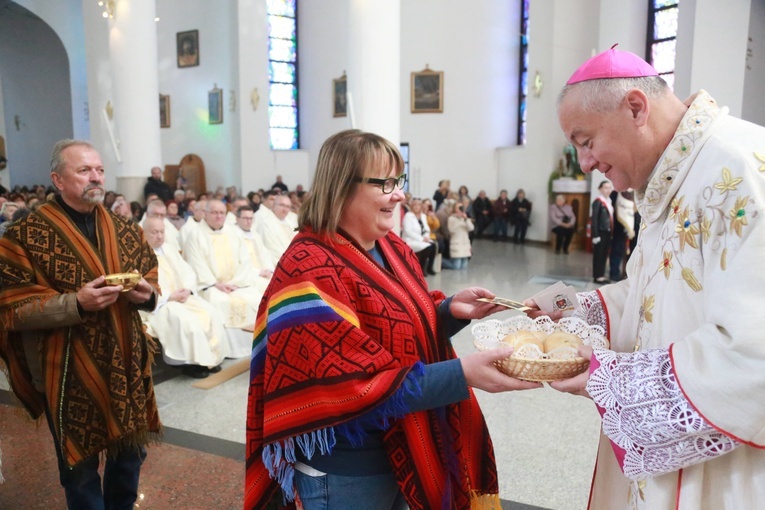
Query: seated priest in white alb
[(275, 232), (155, 208), (189, 328), (198, 213), (226, 276), (232, 207), (259, 255)]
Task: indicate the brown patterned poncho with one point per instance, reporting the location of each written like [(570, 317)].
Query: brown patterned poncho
[(97, 374)]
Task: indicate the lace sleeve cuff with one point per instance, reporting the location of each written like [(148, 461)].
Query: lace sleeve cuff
[(653, 428), (591, 309)]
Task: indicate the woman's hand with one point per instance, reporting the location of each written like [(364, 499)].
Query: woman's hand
[(465, 304), (480, 372), (576, 385)]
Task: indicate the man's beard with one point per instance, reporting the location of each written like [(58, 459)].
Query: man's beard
[(93, 198)]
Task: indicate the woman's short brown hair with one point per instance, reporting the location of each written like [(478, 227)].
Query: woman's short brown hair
[(344, 157)]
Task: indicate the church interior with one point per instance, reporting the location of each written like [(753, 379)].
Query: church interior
[(191, 86)]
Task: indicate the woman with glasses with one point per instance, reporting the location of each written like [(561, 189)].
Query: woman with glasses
[(357, 399)]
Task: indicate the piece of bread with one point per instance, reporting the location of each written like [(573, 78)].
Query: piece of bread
[(560, 339), (526, 344)]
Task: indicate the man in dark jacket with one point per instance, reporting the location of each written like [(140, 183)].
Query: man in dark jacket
[(156, 185), (602, 225)]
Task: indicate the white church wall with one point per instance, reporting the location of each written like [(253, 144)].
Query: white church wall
[(753, 108), (476, 46), (188, 87)]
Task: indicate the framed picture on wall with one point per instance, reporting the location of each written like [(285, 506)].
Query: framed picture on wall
[(187, 48), (339, 97), (215, 105), (428, 91), (164, 111)]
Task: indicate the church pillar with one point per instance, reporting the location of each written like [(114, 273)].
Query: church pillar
[(135, 88), (374, 67), (711, 50)]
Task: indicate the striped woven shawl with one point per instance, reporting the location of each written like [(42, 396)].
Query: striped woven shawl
[(97, 374), (336, 336)]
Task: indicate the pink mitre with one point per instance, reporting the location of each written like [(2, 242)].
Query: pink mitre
[(612, 64)]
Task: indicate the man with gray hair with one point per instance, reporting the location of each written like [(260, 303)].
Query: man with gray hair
[(157, 209), (682, 393), (73, 344), (227, 278), (273, 227)]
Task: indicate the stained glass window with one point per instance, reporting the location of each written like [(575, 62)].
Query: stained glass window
[(523, 81), (662, 35), (282, 74)]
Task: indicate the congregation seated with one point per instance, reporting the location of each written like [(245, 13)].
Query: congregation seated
[(226, 276), (189, 328), (198, 209), (233, 206), (270, 224), (259, 255), (156, 208), (416, 234), (174, 218)]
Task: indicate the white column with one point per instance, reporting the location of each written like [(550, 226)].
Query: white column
[(374, 67), (135, 87), (711, 50)]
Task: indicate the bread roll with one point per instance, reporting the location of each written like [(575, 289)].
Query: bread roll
[(561, 339), (526, 344)]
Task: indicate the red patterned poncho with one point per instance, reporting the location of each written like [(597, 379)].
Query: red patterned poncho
[(336, 336)]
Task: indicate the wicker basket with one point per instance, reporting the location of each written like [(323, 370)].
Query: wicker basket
[(489, 334)]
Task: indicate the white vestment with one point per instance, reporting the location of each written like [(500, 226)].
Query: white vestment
[(172, 239), (221, 257), (191, 332), (185, 232), (259, 255), (694, 289), (275, 233)]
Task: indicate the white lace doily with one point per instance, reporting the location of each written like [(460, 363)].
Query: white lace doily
[(489, 334)]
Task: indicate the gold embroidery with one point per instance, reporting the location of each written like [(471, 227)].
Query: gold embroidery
[(724, 259), (691, 279), (761, 158), (674, 208), (687, 231), (729, 183), (641, 485), (738, 215), (705, 225), (666, 264), (647, 309)]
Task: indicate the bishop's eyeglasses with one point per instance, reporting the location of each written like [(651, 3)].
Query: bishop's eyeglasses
[(387, 185)]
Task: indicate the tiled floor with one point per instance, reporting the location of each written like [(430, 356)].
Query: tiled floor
[(545, 441)]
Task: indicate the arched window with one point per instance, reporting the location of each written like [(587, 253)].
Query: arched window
[(662, 36), (282, 74)]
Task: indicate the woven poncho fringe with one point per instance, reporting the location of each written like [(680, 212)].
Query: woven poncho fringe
[(336, 338)]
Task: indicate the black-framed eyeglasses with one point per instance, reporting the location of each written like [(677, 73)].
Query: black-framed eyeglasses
[(387, 185)]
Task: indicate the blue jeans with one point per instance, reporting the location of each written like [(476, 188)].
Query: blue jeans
[(82, 483), (500, 228), (460, 263), (331, 492)]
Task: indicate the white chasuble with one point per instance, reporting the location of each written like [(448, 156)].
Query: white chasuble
[(221, 257), (694, 290), (191, 332)]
